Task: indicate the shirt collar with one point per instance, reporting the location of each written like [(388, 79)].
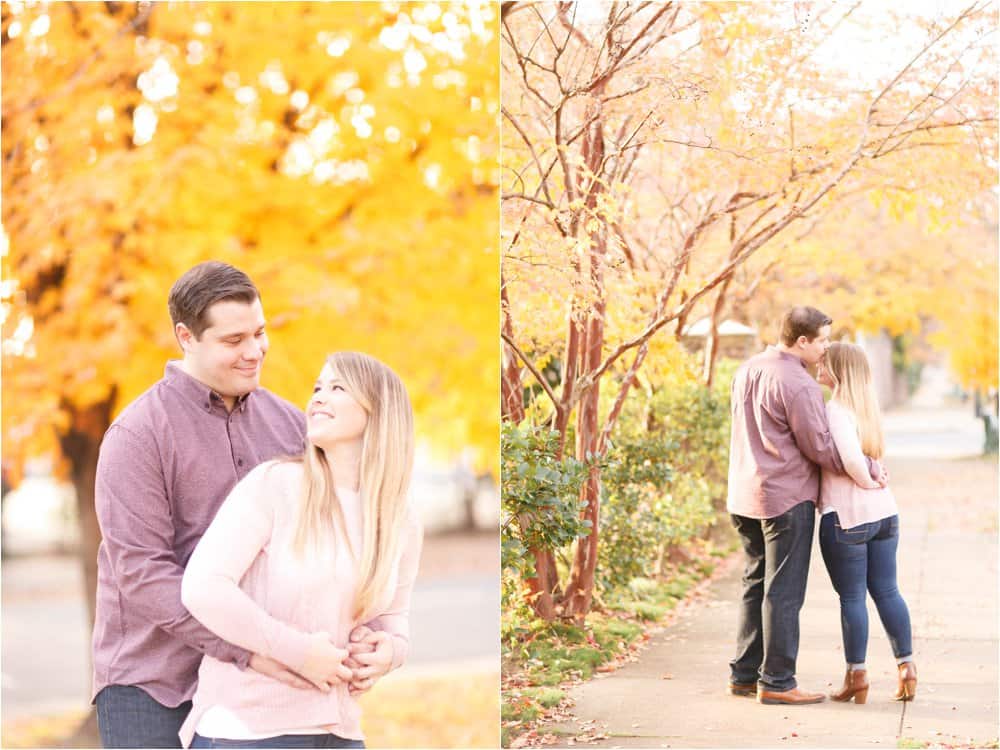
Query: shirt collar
[(786, 356), (197, 391)]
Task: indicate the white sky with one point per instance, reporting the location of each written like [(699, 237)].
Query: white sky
[(867, 47)]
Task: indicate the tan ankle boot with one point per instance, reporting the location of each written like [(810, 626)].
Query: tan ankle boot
[(906, 690), (855, 686)]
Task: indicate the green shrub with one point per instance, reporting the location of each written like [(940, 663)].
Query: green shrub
[(541, 510), (665, 477)]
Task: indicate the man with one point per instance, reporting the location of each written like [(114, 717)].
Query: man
[(780, 438), (165, 466)]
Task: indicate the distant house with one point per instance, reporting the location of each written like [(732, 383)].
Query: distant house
[(736, 340)]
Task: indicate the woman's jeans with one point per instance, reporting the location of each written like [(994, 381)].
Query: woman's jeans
[(306, 741), (861, 558)]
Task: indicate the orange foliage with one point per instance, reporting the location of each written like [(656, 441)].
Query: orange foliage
[(342, 154)]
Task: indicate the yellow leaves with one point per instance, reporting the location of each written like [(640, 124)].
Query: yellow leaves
[(458, 710), (362, 251)]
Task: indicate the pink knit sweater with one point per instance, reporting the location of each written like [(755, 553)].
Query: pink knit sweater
[(244, 584), (855, 496)]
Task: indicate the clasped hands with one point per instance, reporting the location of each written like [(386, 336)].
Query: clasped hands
[(368, 657)]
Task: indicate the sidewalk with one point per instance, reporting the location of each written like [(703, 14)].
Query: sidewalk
[(674, 695)]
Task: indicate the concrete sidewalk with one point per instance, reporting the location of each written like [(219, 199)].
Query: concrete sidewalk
[(674, 695)]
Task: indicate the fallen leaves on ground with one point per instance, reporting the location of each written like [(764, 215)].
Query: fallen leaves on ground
[(447, 711)]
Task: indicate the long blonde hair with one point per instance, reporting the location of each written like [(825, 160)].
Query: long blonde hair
[(386, 467), (853, 387)]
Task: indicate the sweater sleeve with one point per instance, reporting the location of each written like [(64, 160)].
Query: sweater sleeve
[(211, 591), (809, 425), (136, 522), (845, 435), (395, 619)]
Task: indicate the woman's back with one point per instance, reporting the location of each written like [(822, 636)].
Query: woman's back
[(855, 496)]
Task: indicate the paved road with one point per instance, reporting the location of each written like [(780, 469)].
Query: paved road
[(45, 647), (674, 695)]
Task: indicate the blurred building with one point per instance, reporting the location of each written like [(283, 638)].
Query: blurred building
[(736, 340)]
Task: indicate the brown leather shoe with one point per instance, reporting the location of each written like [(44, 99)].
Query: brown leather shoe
[(906, 690), (742, 689), (855, 686), (791, 697)]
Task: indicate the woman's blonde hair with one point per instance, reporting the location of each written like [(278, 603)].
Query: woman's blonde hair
[(386, 467), (853, 387)]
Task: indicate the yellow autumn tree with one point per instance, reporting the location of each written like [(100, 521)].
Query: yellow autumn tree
[(662, 160), (343, 154)]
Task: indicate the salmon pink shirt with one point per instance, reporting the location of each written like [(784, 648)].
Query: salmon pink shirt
[(245, 583)]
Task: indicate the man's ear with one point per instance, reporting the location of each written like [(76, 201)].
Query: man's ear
[(183, 335), (800, 341)]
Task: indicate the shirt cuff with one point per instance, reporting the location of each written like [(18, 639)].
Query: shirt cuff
[(238, 656)]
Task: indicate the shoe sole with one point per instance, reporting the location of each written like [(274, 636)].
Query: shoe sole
[(779, 702)]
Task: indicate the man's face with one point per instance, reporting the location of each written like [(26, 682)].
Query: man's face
[(230, 353), (812, 351)]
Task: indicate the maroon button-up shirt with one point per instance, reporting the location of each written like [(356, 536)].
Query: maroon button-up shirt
[(166, 464), (780, 436)]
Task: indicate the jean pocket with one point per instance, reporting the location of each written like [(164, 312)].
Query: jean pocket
[(856, 535), (888, 528)]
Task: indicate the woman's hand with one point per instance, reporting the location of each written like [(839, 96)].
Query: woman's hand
[(356, 644), (324, 663), (372, 653)]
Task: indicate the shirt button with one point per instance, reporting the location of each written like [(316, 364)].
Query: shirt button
[(208, 405), (239, 462)]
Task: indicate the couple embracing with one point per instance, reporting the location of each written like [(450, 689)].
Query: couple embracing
[(791, 456), (257, 562)]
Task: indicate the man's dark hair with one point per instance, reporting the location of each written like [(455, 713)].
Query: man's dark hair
[(802, 321), (201, 287)]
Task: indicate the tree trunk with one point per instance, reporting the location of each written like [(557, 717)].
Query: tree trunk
[(511, 390), (580, 586), (543, 584), (712, 341), (80, 446), (579, 589)]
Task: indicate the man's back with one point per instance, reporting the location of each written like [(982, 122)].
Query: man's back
[(775, 427)]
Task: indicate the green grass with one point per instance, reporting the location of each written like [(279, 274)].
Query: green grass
[(905, 743), (520, 708), (547, 697), (648, 610)]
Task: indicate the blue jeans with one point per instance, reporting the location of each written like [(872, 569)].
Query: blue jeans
[(282, 741), (861, 558), (774, 587), (128, 717)]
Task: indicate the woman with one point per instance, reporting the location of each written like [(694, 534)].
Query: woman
[(303, 551), (859, 530)]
